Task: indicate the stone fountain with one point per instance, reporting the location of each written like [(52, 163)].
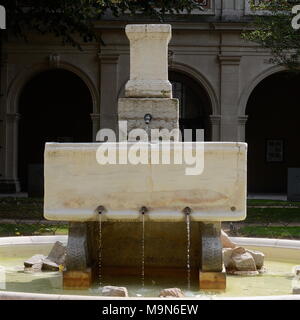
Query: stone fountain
[(147, 217)]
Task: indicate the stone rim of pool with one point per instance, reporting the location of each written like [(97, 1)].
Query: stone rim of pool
[(280, 249)]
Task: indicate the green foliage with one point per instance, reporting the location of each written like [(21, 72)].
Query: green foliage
[(273, 215), (64, 18), (274, 31), (270, 232), (21, 208), (25, 229)]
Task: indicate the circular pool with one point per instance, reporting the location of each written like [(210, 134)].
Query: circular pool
[(281, 256)]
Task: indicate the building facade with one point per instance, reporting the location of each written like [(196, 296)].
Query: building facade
[(226, 86)]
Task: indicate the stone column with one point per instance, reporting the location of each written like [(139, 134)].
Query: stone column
[(242, 120), (109, 90), (149, 91), (215, 127), (212, 275), (11, 154), (96, 124), (229, 83)]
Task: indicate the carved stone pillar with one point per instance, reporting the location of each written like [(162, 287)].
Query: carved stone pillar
[(211, 274), (78, 273)]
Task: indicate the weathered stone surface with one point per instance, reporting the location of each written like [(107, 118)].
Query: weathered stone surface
[(34, 260), (52, 262), (148, 60), (57, 253), (243, 273), (49, 265), (74, 194), (171, 293), (258, 257), (164, 112), (239, 259), (77, 280), (226, 241), (228, 262), (112, 291), (212, 280), (243, 260)]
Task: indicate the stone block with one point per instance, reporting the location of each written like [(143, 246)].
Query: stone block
[(77, 280), (212, 280), (258, 257), (171, 293), (36, 259), (148, 60), (112, 291), (57, 253)]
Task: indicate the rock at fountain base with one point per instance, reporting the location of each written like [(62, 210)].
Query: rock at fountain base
[(111, 291), (212, 280), (171, 293), (77, 280), (296, 289)]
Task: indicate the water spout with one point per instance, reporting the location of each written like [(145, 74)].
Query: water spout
[(143, 210), (100, 210), (187, 211)]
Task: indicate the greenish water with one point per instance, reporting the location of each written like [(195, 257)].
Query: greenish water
[(276, 281)]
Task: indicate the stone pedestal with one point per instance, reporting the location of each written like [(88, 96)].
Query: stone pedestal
[(149, 92), (148, 61)]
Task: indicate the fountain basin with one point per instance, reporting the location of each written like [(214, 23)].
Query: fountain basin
[(281, 256), (76, 184)]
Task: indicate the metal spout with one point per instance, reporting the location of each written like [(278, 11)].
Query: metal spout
[(187, 210), (143, 210), (100, 209), (147, 118)]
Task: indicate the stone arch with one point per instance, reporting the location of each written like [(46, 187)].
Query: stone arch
[(242, 105), (12, 111), (24, 76), (201, 80)]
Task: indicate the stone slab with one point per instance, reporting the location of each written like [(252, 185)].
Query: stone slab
[(76, 184)]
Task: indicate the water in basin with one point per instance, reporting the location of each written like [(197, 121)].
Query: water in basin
[(276, 281)]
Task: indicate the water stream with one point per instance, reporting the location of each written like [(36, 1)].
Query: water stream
[(100, 250), (143, 251), (188, 265)]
